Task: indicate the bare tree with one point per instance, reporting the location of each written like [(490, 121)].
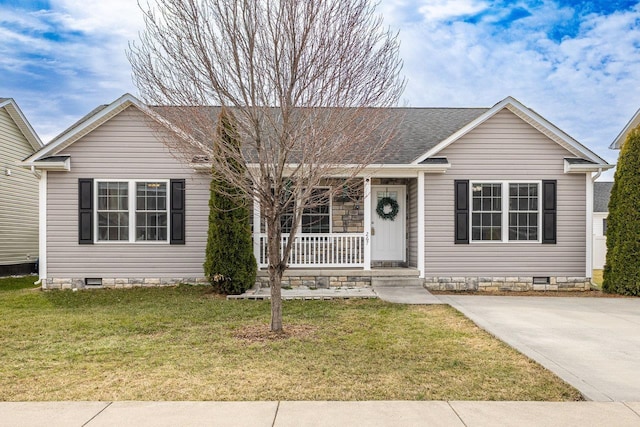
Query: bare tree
[(308, 82)]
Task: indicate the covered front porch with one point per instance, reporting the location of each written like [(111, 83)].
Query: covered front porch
[(378, 224)]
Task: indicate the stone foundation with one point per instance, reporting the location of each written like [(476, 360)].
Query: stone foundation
[(128, 282), (489, 284)]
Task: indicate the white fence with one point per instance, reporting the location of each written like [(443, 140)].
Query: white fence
[(319, 250)]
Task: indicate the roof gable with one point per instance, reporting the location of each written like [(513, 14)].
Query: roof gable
[(90, 122), (633, 123), (21, 122), (530, 117)]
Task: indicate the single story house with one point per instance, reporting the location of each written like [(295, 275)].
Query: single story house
[(485, 198), (601, 195), (18, 192)]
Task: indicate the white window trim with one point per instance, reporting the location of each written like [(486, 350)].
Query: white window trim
[(505, 209), (131, 183)]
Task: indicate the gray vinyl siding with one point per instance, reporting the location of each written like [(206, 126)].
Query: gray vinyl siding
[(412, 223), (18, 197), (125, 147), (505, 148)]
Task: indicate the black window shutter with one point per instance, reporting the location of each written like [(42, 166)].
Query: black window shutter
[(85, 211), (549, 211), (461, 211), (177, 212)]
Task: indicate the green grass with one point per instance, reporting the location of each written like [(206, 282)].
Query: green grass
[(597, 278), (183, 343)]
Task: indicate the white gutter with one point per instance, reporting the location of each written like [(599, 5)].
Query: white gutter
[(585, 167), (64, 165), (373, 170)]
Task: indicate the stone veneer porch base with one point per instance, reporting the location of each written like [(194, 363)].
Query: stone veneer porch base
[(333, 277), (489, 284)]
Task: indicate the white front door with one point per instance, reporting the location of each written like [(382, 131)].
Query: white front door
[(388, 235)]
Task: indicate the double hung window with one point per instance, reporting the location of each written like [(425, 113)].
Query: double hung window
[(316, 218), (132, 211), (516, 220)]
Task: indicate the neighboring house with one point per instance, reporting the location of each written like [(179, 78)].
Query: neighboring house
[(622, 136), (485, 198), (18, 192), (601, 194)]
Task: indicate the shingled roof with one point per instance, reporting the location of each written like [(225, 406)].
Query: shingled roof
[(418, 133), (601, 195), (423, 128), (417, 129)]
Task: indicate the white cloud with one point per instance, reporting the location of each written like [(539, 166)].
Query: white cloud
[(442, 10), (583, 84), (117, 18), (584, 80)]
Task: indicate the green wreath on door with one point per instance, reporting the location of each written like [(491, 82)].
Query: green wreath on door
[(382, 205)]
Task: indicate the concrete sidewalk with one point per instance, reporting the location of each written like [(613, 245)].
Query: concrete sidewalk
[(319, 414)]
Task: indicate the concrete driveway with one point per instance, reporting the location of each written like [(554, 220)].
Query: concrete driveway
[(591, 343)]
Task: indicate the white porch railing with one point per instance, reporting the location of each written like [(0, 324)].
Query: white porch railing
[(319, 250)]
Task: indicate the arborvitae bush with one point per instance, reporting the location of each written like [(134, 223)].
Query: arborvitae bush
[(622, 268), (229, 262)]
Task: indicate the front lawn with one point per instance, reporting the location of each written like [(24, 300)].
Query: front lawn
[(183, 343)]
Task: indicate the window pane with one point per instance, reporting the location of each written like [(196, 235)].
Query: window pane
[(316, 218), (523, 212), (486, 215), (162, 233), (112, 211), (475, 233), (151, 207), (496, 220)]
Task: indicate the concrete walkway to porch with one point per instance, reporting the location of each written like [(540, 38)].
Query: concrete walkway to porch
[(406, 294), (401, 293), (306, 293)]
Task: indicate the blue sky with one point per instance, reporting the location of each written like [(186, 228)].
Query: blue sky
[(577, 63)]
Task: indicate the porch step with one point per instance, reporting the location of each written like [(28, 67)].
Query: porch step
[(397, 282)]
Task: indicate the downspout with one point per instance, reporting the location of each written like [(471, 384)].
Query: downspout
[(596, 176), (35, 172), (593, 179), (39, 176)]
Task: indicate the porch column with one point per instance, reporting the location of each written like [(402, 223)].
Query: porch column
[(421, 238), (256, 230), (367, 223)]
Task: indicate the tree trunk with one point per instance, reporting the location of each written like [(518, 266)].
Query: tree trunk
[(276, 269), (275, 281)]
